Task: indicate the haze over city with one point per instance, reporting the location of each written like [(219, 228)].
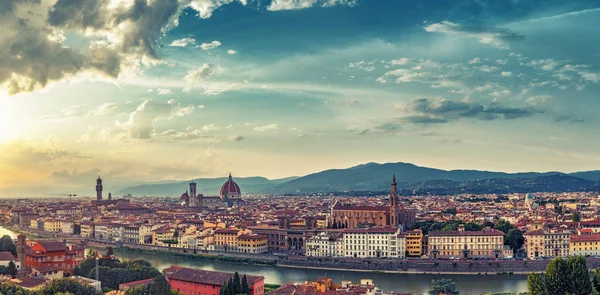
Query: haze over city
[(145, 91)]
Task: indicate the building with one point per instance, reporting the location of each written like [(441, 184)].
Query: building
[(487, 243), (252, 243), (543, 243), (585, 245), (325, 245), (99, 189), (48, 272), (354, 216), (7, 257), (375, 242), (57, 254), (229, 195), (414, 243), (52, 225), (196, 281), (226, 239), (594, 225)]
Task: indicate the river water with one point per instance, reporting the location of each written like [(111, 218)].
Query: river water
[(407, 283)]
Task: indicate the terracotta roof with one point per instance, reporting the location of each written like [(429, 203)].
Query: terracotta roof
[(361, 208), (53, 246), (373, 230), (485, 232), (6, 256), (230, 187), (586, 238), (204, 276), (136, 283), (49, 268), (30, 282)]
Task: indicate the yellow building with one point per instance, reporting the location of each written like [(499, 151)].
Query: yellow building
[(33, 224), (543, 243), (487, 243), (585, 245), (225, 239), (52, 225), (252, 243), (414, 240), (159, 237)]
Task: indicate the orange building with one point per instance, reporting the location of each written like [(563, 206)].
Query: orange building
[(56, 254)]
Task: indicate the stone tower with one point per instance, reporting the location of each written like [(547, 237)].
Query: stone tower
[(394, 203), (193, 201), (99, 188), (21, 247)]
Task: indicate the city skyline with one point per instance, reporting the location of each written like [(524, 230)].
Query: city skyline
[(174, 90)]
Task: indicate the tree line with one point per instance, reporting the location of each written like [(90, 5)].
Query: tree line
[(565, 276)]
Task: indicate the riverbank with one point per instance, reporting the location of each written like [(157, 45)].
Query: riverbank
[(207, 257)]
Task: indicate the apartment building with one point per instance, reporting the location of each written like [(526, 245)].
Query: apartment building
[(585, 245), (325, 245), (414, 243), (543, 243), (375, 242), (486, 243)]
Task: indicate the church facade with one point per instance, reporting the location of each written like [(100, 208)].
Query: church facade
[(229, 195), (357, 216)]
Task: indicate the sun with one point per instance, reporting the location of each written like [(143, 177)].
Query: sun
[(10, 125)]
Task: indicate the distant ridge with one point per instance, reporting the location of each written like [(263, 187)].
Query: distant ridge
[(375, 177)]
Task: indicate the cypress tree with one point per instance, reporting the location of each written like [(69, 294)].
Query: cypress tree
[(245, 287), (237, 286), (535, 285), (558, 277), (231, 287)]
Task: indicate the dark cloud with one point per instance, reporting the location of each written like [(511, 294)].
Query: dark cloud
[(428, 111), (569, 119)]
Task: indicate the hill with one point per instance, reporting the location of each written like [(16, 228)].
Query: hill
[(375, 178)]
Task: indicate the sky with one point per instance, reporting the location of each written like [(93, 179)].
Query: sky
[(158, 90)]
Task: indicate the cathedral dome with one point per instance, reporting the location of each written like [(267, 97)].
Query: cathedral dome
[(184, 197), (230, 188)]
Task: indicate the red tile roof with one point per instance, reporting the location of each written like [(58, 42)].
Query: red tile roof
[(6, 256), (586, 238), (204, 276), (485, 232)]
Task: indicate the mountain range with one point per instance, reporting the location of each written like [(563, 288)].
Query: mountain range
[(376, 178)]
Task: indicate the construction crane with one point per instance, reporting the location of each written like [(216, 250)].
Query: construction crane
[(64, 195)]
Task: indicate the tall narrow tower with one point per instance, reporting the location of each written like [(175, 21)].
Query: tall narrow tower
[(394, 203), (21, 247), (193, 201), (99, 188)]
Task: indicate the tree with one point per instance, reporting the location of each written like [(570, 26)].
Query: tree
[(576, 216), (160, 286), (12, 269), (237, 286), (503, 226), (67, 286), (443, 286), (7, 245), (596, 280), (514, 238), (245, 287), (230, 287), (91, 254), (535, 285), (558, 277), (109, 251), (223, 290), (580, 276)]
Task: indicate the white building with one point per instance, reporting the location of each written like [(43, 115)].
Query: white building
[(376, 242), (325, 245), (101, 232), (67, 227)]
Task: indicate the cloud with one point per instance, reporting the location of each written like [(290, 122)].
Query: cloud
[(205, 8), (506, 74), (192, 134), (141, 123), (163, 91), (203, 72), (183, 42), (474, 61), (209, 46), (231, 52), (402, 61), (590, 76), (266, 128), (105, 109), (236, 138), (277, 5), (544, 64), (429, 111), (493, 36)]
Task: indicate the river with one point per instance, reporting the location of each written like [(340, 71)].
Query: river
[(411, 283), (407, 283)]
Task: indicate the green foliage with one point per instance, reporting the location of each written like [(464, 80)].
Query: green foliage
[(443, 286), (558, 277), (514, 238), (576, 216), (12, 269), (245, 287), (91, 253), (536, 285), (66, 286), (579, 276), (503, 226), (7, 245), (114, 272), (237, 285), (110, 251)]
